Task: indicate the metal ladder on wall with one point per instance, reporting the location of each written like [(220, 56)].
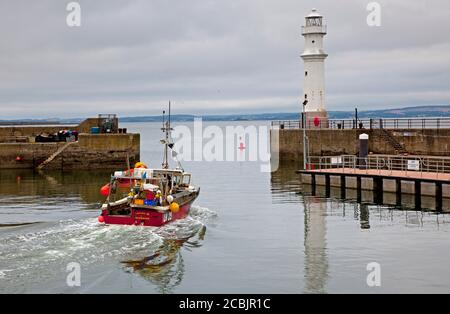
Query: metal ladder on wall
[(54, 155), (390, 139)]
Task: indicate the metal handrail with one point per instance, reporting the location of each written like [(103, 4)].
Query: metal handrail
[(389, 123), (422, 164)]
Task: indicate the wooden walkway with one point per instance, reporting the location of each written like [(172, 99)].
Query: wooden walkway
[(380, 181), (413, 175)]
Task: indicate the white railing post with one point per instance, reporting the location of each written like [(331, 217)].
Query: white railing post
[(421, 166), (377, 166)]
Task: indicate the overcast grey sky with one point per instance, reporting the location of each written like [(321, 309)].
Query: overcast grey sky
[(222, 56)]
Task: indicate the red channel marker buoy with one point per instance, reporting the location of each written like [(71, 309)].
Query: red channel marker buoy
[(241, 144), (316, 121)]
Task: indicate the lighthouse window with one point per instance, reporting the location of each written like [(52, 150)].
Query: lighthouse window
[(313, 41), (314, 21), (306, 73)]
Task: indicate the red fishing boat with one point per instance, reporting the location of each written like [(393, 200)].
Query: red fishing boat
[(149, 197)]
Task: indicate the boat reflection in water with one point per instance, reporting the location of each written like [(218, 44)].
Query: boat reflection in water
[(165, 267)]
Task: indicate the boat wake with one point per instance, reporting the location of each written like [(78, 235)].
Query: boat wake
[(44, 249)]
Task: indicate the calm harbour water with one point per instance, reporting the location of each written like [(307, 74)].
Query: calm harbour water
[(249, 232)]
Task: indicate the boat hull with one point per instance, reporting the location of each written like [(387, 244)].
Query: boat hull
[(147, 217)]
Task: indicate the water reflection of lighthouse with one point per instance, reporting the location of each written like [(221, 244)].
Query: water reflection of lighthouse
[(316, 260)]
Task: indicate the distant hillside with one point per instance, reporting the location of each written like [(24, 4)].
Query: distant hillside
[(408, 112), (229, 117)]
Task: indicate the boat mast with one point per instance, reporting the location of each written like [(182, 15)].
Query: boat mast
[(166, 128)]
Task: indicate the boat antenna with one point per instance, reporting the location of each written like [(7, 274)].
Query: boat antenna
[(163, 117)]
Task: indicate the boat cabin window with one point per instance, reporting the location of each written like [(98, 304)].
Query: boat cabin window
[(187, 179), (176, 180)]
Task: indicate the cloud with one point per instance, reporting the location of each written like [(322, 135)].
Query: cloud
[(215, 56)]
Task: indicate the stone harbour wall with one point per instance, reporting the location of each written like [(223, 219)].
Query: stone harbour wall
[(331, 142), (90, 152)]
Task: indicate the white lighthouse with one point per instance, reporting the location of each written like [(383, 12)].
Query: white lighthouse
[(314, 75)]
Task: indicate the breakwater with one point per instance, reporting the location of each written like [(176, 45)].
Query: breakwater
[(19, 150), (428, 137)]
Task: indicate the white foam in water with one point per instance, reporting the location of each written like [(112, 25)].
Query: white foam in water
[(86, 241), (202, 213), (3, 272)]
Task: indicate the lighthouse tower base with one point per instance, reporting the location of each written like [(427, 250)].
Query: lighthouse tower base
[(316, 119)]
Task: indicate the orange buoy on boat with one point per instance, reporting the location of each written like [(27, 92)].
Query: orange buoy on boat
[(101, 219), (174, 207), (105, 190), (140, 165)]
